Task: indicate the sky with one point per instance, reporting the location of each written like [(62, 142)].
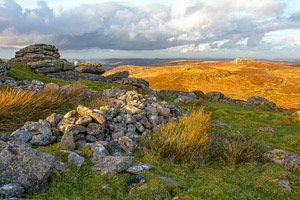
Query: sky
[(98, 29)]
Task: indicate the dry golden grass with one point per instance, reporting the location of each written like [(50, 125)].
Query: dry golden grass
[(181, 142), (17, 106), (238, 81)]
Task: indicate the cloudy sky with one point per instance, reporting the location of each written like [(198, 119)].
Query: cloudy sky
[(154, 28)]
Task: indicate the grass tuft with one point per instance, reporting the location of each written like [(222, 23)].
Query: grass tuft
[(180, 142)]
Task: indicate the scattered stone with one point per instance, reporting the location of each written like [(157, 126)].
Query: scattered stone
[(4, 68), (76, 159), (60, 166), (23, 165), (11, 190), (135, 180), (96, 115), (113, 163), (284, 183), (54, 119), (265, 129), (167, 180), (99, 151), (220, 123), (184, 99), (256, 100), (42, 140), (21, 135), (215, 96), (68, 140), (284, 157), (138, 168)]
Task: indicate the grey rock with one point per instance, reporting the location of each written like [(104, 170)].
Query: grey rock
[(114, 147), (11, 190), (60, 166), (5, 137), (167, 180), (99, 151), (68, 140), (90, 138), (23, 165), (256, 100), (284, 157), (54, 119), (215, 96), (76, 159), (21, 135), (127, 144), (95, 129), (113, 163), (42, 140), (38, 128), (284, 183), (138, 168), (135, 180), (84, 120), (184, 99)]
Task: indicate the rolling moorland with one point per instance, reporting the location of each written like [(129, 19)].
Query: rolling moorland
[(278, 82), (214, 151)]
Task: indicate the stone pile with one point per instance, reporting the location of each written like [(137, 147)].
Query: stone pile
[(4, 68), (45, 59), (89, 71)]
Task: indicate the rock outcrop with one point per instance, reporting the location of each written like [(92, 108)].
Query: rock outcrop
[(45, 59), (243, 60), (89, 71), (284, 157), (256, 100)]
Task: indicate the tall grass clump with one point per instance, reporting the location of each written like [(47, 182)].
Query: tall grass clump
[(181, 142), (234, 149), (17, 106)]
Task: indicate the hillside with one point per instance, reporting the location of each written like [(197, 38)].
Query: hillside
[(278, 82)]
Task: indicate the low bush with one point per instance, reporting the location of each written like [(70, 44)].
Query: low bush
[(234, 149), (17, 106), (181, 142)]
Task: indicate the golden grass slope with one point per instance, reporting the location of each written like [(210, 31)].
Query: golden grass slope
[(277, 82)]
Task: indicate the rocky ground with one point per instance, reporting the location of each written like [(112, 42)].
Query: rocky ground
[(112, 132)]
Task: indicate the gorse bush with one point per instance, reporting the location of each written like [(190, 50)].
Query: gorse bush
[(17, 106), (181, 142)]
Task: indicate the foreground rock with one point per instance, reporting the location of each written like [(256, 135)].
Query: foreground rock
[(113, 163), (45, 59), (284, 157), (23, 166)]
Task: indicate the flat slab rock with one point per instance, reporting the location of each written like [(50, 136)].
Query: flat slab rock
[(284, 157), (113, 163)]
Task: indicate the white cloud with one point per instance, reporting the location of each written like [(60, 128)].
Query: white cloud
[(191, 25)]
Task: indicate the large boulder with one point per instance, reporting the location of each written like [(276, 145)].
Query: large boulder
[(20, 164), (256, 100), (89, 71), (215, 96), (117, 76), (45, 59)]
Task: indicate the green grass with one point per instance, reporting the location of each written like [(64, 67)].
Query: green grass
[(211, 180), (20, 72)]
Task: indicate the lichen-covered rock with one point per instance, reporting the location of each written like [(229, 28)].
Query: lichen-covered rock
[(256, 100), (117, 76), (11, 190), (45, 59), (138, 168), (21, 135), (113, 163), (215, 96), (23, 165), (76, 159), (135, 180), (54, 119), (284, 157), (4, 68), (96, 115)]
